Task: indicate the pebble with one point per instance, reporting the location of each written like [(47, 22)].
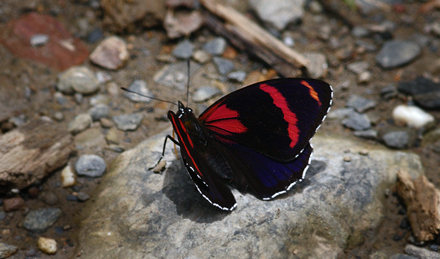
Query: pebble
[(58, 116), (360, 32), (100, 98), (111, 53), (366, 45), (363, 152), (139, 86), (205, 93), (347, 159), (79, 98), (359, 103), (216, 46), (71, 197), (80, 123), (420, 252), (47, 245), (39, 40), (357, 121), (33, 192), (95, 35), (420, 85), (278, 14), (92, 137), (130, 121), (398, 138), (112, 136), (38, 221), (201, 56), (432, 137), (412, 116), (90, 165), (165, 57), (172, 75), (13, 204), (183, 50), (48, 197), (237, 76), (7, 250), (339, 114), (67, 177), (364, 77), (2, 215), (396, 53), (59, 97), (106, 123), (78, 79), (317, 67), (103, 77), (388, 92), (99, 111), (115, 148), (224, 66), (358, 67), (82, 196), (366, 134)]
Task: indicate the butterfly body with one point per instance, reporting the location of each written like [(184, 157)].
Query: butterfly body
[(255, 139)]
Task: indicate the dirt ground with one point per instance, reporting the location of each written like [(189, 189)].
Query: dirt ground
[(16, 73)]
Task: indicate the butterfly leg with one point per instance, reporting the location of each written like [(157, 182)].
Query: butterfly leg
[(163, 150)]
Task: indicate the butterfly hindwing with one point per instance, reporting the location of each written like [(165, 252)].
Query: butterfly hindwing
[(276, 118), (264, 177)]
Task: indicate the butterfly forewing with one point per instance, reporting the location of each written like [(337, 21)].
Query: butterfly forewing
[(276, 118)]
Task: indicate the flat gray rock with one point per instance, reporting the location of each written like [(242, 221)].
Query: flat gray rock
[(396, 53), (145, 215)]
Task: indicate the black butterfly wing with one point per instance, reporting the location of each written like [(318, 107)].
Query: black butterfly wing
[(203, 163), (264, 177), (276, 118)]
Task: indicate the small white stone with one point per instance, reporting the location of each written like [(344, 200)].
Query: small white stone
[(47, 245), (412, 116), (67, 177)]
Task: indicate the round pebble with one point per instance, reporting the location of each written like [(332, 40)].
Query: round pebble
[(224, 66), (47, 245), (48, 197), (39, 40), (80, 123), (237, 76), (412, 116), (139, 86), (90, 165), (99, 111), (78, 79), (216, 46), (201, 56), (183, 50), (58, 116), (128, 121), (205, 93), (82, 196)]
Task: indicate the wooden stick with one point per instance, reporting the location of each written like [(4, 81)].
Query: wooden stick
[(281, 66), (255, 33)]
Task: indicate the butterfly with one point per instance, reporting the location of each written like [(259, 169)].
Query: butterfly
[(256, 139)]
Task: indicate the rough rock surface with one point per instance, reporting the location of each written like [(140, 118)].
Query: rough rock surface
[(145, 215)]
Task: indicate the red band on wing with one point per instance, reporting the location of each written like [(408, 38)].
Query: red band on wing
[(223, 120), (184, 144), (289, 116), (313, 93)]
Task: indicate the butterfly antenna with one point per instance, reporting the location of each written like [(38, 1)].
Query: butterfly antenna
[(154, 98), (187, 84)]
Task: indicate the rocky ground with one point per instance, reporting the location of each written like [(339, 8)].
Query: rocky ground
[(384, 71)]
